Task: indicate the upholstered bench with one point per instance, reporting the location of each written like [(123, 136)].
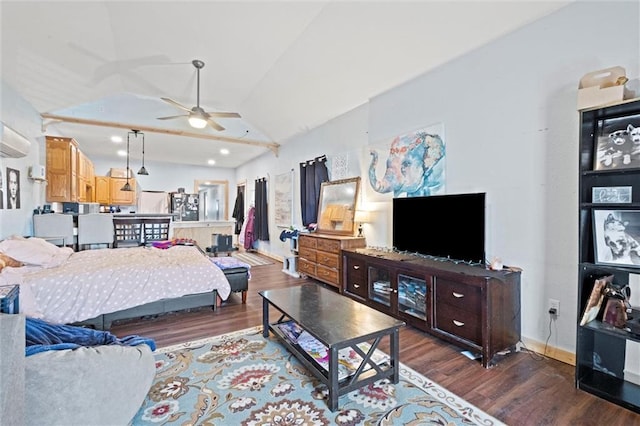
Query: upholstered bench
[(238, 274)]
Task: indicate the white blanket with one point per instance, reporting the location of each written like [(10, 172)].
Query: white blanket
[(94, 282)]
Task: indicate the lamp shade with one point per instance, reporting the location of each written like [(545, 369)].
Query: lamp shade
[(362, 216)]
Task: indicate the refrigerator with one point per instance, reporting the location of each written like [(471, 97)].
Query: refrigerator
[(211, 202), (185, 206)]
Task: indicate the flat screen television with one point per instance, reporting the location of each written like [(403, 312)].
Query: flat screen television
[(444, 226)]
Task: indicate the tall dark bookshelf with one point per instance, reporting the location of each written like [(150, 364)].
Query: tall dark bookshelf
[(608, 184)]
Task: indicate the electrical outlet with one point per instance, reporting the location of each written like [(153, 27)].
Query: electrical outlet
[(554, 305)]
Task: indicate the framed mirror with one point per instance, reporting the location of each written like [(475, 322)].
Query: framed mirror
[(337, 206), (213, 196)]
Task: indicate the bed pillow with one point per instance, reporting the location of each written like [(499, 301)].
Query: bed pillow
[(34, 251), (8, 261)]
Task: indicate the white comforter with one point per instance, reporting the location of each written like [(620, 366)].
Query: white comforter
[(94, 282)]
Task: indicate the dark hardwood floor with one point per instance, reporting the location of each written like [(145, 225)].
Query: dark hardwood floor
[(522, 389)]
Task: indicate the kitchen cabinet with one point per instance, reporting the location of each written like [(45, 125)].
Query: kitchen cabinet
[(108, 190), (85, 178), (62, 179), (473, 307), (70, 173), (119, 197), (320, 256), (102, 190)]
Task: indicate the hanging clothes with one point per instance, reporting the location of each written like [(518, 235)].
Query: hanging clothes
[(261, 221), (249, 235), (238, 210), (312, 174)]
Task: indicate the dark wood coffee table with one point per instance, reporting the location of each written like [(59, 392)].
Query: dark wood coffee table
[(337, 322)]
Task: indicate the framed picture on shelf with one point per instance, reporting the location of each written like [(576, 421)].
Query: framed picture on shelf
[(616, 237), (611, 194), (617, 143)]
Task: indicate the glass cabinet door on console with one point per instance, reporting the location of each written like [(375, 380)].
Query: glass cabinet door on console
[(412, 296), (380, 289)]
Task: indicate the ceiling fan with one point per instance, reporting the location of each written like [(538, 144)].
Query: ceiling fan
[(198, 117)]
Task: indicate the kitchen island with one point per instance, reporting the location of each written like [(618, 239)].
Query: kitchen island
[(202, 231)]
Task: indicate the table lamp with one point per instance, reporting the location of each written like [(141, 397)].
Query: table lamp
[(362, 216)]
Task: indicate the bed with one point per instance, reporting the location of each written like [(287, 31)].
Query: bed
[(96, 287)]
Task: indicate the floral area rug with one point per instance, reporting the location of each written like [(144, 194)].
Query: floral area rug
[(242, 378)]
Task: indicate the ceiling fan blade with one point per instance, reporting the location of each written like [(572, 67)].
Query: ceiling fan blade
[(224, 114), (214, 124), (122, 66), (174, 103), (173, 116)]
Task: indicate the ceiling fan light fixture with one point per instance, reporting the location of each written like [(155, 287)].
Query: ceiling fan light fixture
[(198, 118), (197, 122)]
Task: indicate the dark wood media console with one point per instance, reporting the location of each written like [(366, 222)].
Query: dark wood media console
[(471, 306)]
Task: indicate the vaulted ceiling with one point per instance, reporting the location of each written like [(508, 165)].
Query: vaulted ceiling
[(284, 66)]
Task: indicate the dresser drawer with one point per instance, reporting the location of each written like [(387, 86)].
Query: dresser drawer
[(331, 246), (356, 277), (307, 253), (329, 275), (458, 322), (356, 269), (330, 260), (306, 267), (458, 295), (356, 286), (308, 242)]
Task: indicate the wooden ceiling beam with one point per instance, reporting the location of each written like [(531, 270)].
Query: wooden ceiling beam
[(273, 146)]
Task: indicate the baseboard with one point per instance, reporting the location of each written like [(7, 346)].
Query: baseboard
[(551, 351), (270, 255)]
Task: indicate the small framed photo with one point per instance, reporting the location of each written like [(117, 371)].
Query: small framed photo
[(617, 143), (616, 237), (611, 194)]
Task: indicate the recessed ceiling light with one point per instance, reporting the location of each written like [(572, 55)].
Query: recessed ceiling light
[(122, 153), (224, 151), (211, 162), (116, 139)]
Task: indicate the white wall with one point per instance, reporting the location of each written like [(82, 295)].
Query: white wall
[(511, 130), (18, 114)]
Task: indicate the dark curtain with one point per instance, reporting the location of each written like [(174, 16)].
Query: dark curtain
[(312, 174), (261, 221), (238, 210)]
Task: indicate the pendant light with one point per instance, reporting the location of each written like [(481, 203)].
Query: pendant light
[(143, 170), (126, 186)]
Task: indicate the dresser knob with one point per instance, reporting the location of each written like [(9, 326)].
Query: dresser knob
[(457, 295), (356, 286), (356, 267), (458, 323)]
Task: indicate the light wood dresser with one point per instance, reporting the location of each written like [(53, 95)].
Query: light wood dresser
[(320, 256)]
